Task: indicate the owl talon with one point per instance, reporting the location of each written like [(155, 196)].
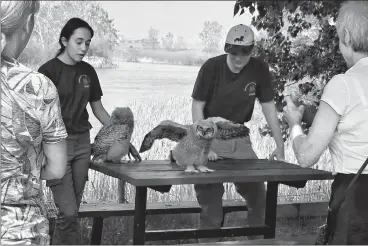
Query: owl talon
[(204, 169), (98, 160), (191, 169)]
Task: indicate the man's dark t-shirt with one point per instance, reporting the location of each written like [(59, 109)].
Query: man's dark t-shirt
[(232, 95), (77, 85)]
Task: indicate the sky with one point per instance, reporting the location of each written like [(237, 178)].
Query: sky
[(182, 18)]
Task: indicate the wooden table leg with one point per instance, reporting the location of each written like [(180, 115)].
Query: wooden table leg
[(271, 208), (140, 215)]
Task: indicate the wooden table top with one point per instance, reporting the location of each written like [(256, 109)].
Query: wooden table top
[(163, 172)]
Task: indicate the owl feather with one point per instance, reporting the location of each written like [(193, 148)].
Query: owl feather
[(113, 140), (194, 141)]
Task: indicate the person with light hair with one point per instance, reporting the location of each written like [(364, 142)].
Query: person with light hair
[(32, 132), (341, 124)]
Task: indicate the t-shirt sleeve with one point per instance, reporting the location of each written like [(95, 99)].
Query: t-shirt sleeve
[(45, 70), (204, 82), (53, 128), (265, 91), (336, 94), (96, 91)]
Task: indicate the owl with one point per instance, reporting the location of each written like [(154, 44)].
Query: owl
[(112, 141), (194, 141)]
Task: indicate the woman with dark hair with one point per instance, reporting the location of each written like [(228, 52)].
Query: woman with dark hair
[(33, 145), (78, 84)]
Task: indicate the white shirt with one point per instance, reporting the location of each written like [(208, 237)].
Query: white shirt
[(347, 94)]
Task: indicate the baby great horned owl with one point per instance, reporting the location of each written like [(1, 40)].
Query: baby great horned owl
[(194, 140), (112, 142)]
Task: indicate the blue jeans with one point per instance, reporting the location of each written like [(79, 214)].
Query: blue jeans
[(209, 196), (68, 191)]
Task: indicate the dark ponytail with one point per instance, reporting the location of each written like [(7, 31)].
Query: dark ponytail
[(68, 30), (61, 50)]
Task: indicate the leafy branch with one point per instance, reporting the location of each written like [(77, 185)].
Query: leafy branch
[(288, 23)]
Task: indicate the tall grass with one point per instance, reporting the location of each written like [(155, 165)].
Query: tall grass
[(152, 112), (148, 113)]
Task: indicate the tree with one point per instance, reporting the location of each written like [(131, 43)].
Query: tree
[(180, 43), (211, 35), (288, 24), (168, 41), (152, 41), (52, 16)]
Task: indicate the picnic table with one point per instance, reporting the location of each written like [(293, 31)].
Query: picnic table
[(162, 174)]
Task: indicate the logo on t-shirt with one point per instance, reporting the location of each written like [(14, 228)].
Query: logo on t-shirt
[(251, 88), (83, 79)]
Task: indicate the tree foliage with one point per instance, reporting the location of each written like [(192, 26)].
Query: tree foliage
[(180, 43), (211, 35), (153, 38), (168, 41), (53, 15), (301, 48)]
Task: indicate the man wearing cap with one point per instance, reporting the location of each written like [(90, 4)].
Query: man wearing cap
[(227, 86)]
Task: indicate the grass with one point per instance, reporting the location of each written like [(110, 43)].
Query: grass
[(148, 114)]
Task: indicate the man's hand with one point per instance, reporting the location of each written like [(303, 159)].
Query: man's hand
[(212, 156), (278, 153)]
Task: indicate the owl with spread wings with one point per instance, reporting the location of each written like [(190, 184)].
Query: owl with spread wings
[(113, 141), (194, 141)]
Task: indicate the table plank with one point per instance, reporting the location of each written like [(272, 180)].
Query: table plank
[(146, 166), (153, 173)]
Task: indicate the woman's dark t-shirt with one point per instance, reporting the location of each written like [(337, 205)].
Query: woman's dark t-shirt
[(232, 95), (77, 85)]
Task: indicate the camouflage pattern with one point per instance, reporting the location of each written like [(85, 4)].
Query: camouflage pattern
[(30, 116)]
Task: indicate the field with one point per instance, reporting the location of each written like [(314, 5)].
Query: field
[(157, 92)]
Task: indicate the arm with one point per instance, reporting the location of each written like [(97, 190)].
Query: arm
[(95, 99), (197, 110), (265, 94), (269, 111), (308, 149), (53, 133), (334, 103), (202, 91), (56, 159), (100, 112)]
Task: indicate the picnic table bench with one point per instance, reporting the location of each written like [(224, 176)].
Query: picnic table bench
[(161, 175)]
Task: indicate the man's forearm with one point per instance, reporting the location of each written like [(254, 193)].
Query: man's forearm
[(269, 111), (197, 111)]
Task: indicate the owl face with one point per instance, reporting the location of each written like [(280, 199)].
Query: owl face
[(205, 130), (122, 115)]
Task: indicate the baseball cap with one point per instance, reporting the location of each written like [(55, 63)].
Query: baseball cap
[(240, 38)]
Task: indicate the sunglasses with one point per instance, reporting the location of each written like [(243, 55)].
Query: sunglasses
[(238, 49)]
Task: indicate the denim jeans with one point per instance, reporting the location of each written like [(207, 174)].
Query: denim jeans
[(209, 196), (68, 191)]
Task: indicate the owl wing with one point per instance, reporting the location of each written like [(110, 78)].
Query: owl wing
[(229, 130), (166, 129)]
